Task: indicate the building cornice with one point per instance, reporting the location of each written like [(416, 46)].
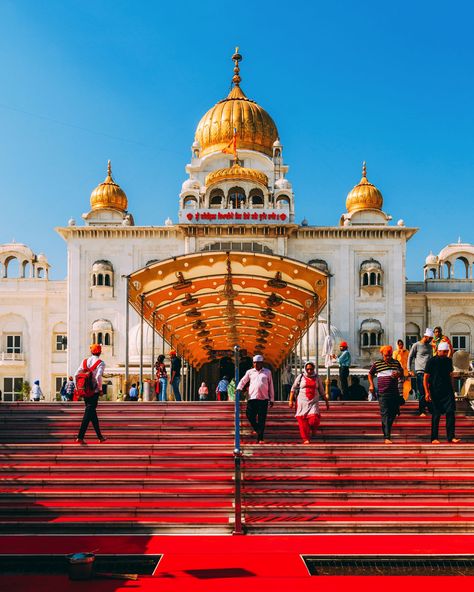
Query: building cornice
[(70, 232), (275, 230), (350, 232)]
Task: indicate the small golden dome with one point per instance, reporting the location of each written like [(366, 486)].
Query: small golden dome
[(256, 130), (109, 195), (237, 173), (364, 196)]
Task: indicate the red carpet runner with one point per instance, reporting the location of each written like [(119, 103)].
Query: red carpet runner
[(168, 469)]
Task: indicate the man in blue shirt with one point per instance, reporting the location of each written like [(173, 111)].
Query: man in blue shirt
[(344, 361), (133, 392)]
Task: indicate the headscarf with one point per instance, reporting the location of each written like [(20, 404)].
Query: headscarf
[(96, 349)]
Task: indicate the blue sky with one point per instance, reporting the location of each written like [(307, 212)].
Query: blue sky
[(84, 81)]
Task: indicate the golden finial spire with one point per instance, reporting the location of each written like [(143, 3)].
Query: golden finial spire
[(236, 58), (109, 169), (364, 170)]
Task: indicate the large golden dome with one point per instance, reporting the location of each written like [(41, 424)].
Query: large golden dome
[(236, 173), (256, 130), (109, 195), (364, 196)]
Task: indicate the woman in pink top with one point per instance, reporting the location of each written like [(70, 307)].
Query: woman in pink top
[(307, 388), (203, 392)]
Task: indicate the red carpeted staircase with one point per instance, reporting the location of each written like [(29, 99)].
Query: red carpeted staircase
[(349, 481), (168, 468)]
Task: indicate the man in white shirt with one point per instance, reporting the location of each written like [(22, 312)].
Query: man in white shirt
[(90, 414), (261, 395)]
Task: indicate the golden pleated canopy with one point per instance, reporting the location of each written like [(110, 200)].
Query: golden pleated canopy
[(206, 303), (364, 196), (256, 130)]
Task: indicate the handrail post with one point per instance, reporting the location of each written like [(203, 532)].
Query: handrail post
[(237, 451)]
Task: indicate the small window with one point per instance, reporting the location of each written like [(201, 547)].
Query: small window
[(460, 341), (100, 338), (100, 279), (12, 389), (13, 343), (107, 279), (94, 280), (58, 383), (410, 339), (61, 342), (365, 339), (236, 198), (107, 340)]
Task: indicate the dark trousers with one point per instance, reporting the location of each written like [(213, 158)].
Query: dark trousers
[(389, 408), (175, 386), (257, 415), (343, 376), (90, 415), (450, 421), (423, 406), (286, 391)]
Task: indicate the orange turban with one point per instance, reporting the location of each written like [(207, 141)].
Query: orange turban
[(172, 352), (96, 349), (386, 350)]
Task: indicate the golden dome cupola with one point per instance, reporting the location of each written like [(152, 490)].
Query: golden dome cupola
[(256, 130), (364, 204), (109, 195), (236, 173), (364, 196)]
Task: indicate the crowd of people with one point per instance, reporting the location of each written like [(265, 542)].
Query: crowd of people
[(428, 365)]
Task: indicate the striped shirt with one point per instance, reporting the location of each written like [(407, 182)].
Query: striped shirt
[(387, 383)]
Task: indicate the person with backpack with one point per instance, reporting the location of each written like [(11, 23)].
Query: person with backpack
[(307, 389), (89, 387), (69, 389)]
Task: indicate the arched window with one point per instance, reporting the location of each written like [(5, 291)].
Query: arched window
[(460, 334), (371, 273), (371, 333), (412, 334), (190, 202), (447, 270), (282, 201), (461, 268), (102, 275), (236, 197), (319, 264), (102, 332), (25, 269), (12, 267), (40, 272), (256, 198), (216, 198)]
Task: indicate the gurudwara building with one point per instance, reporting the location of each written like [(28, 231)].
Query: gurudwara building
[(237, 198)]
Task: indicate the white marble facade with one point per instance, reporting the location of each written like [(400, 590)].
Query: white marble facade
[(223, 205)]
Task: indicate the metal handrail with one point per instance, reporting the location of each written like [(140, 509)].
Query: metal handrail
[(237, 451)]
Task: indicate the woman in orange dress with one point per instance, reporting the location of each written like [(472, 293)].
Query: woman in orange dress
[(401, 355)]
